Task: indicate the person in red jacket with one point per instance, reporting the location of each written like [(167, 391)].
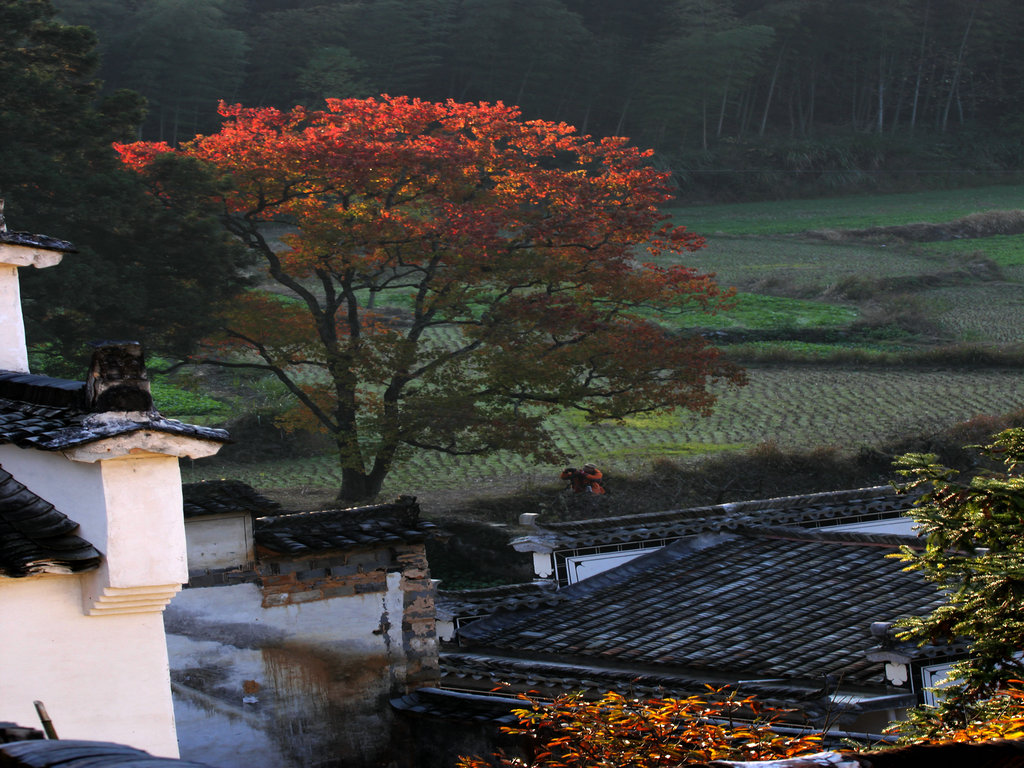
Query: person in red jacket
[(587, 479)]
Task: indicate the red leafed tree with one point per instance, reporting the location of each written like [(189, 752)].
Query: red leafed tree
[(454, 274)]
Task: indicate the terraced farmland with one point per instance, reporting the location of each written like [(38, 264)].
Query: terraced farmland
[(815, 301)]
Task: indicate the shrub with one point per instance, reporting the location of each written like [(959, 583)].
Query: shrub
[(614, 731)]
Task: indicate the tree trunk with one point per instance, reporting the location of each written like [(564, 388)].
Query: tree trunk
[(812, 98), (954, 86), (358, 486), (704, 124), (771, 91), (721, 110), (880, 118), (920, 67)]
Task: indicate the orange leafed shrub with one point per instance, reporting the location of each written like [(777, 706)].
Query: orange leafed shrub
[(572, 732)]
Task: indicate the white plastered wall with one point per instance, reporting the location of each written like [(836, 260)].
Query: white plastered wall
[(13, 353), (101, 677), (92, 646)]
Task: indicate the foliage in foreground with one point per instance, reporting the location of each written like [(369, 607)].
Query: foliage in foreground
[(619, 732), (999, 717), (516, 240), (573, 732), (974, 553)]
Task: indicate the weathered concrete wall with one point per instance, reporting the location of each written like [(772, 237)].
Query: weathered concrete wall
[(298, 659), (219, 542)]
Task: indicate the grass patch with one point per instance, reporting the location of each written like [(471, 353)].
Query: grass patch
[(185, 405), (793, 351), (1004, 250), (777, 217), (756, 311), (806, 268), (672, 451)]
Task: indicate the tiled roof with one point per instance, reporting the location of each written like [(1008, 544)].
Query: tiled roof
[(456, 706), (812, 511), (50, 414), (302, 533), (73, 753), (45, 242), (462, 603), (481, 671), (35, 537), (218, 497), (757, 603)]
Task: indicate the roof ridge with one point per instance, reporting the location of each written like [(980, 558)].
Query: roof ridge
[(38, 389), (45, 242), (730, 508), (829, 535)]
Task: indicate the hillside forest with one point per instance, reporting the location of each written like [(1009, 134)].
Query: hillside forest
[(766, 112), (848, 89)]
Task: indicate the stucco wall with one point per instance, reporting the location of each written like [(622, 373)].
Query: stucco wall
[(101, 677), (299, 659)]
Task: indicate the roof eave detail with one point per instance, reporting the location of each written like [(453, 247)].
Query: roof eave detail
[(142, 443), (29, 256), (540, 544), (106, 600)]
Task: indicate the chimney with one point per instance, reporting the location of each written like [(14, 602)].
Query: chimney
[(117, 378), (19, 249)]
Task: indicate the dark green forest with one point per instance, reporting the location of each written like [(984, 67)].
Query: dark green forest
[(836, 93), (741, 99)]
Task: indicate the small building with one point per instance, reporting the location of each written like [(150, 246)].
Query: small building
[(92, 545), (297, 628)]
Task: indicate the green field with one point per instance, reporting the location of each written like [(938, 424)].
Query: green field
[(852, 212), (828, 329)]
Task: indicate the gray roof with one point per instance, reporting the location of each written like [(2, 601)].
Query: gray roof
[(463, 603), (787, 604), (219, 497), (35, 537), (51, 414), (805, 511), (306, 533)]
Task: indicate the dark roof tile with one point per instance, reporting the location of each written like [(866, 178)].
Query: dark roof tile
[(45, 242), (810, 511), (218, 497), (466, 603), (35, 537), (303, 533), (457, 706), (73, 753), (50, 414)]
